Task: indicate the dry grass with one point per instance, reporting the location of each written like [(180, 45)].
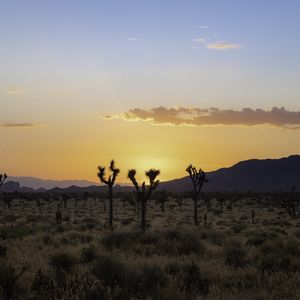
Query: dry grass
[(82, 258)]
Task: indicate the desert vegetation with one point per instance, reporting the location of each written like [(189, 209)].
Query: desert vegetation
[(66, 246)]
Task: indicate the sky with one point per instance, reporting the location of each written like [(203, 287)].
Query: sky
[(152, 84)]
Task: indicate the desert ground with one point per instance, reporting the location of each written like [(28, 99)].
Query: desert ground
[(247, 247)]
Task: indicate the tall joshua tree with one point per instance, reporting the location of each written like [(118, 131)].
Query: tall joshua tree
[(110, 183), (144, 192), (198, 178)]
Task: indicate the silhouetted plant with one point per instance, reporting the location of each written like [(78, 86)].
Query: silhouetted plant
[(2, 179), (291, 204), (161, 198), (110, 183), (198, 178), (144, 193)]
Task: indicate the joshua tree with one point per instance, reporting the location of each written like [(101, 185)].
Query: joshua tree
[(198, 178), (161, 198), (143, 193), (2, 179), (291, 203), (110, 183)]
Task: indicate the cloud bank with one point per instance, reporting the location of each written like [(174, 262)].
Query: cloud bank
[(19, 125), (181, 116), (14, 92)]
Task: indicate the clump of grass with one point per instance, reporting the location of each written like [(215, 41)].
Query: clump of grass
[(88, 254), (140, 281), (235, 254), (177, 243), (188, 277), (9, 281), (238, 227), (63, 261), (213, 236)]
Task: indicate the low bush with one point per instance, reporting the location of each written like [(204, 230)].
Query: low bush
[(235, 254)]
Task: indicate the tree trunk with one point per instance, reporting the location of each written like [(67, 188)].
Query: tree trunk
[(196, 222), (111, 213), (143, 203)]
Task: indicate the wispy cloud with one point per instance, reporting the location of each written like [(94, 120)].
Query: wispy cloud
[(202, 27), (222, 45), (199, 40), (133, 39), (14, 92), (180, 116), (20, 125)]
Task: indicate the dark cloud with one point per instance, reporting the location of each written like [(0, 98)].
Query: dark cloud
[(279, 117)]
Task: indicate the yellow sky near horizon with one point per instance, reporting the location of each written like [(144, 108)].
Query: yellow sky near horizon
[(73, 149)]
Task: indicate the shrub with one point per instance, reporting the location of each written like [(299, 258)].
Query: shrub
[(109, 270), (189, 277), (62, 261), (88, 254), (42, 284), (178, 243), (3, 251), (192, 279), (213, 236), (234, 253), (238, 228), (9, 286)]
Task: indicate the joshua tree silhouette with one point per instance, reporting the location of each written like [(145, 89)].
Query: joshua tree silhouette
[(2, 179), (143, 192), (110, 183), (198, 178)]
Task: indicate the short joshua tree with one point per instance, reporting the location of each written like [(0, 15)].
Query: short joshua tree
[(110, 183), (2, 179), (161, 198), (144, 192), (198, 178)]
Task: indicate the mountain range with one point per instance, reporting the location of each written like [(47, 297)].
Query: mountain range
[(251, 175)]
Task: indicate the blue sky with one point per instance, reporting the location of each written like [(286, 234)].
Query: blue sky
[(64, 64), (79, 41)]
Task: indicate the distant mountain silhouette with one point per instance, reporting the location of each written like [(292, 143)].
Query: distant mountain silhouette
[(37, 183), (250, 175)]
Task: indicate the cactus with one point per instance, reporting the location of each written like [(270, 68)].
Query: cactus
[(198, 178), (110, 183), (143, 193)]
